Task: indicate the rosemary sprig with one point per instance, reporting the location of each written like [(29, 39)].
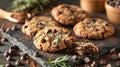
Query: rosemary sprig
[(29, 5), (59, 62)]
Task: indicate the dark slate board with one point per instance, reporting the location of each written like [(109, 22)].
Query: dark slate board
[(27, 46)]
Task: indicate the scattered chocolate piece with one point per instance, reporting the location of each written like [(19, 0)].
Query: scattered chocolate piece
[(94, 64), (9, 58), (103, 61), (23, 57), (8, 29), (109, 65), (74, 57), (86, 60), (6, 54), (112, 50), (113, 57), (118, 63), (3, 39), (14, 47), (8, 64), (18, 63), (13, 27), (12, 51), (36, 54)]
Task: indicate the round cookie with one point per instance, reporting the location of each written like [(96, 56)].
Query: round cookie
[(31, 27), (93, 28), (68, 14), (53, 39)]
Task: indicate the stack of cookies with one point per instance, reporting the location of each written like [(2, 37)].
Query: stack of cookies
[(51, 37)]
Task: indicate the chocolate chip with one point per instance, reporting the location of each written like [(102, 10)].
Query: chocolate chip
[(55, 31), (118, 63), (113, 57), (86, 60), (82, 11), (8, 64), (43, 40), (23, 57), (94, 19), (6, 54), (103, 61), (9, 58), (36, 54), (109, 65), (49, 31), (25, 26), (18, 63), (58, 12)]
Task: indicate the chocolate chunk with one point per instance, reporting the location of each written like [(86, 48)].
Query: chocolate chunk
[(36, 54), (69, 33), (94, 19), (8, 64), (94, 64), (118, 63), (112, 50), (103, 61), (113, 57), (25, 26), (86, 60), (43, 40), (14, 47), (74, 57), (13, 27), (6, 54), (9, 58), (12, 51), (3, 39), (18, 63), (23, 57), (109, 65)]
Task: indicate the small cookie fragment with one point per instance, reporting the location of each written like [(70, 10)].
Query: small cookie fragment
[(86, 48), (68, 14), (37, 23), (93, 28), (53, 39)]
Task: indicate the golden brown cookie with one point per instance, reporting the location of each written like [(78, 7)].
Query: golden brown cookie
[(68, 14), (31, 27), (93, 28), (86, 48), (53, 39)]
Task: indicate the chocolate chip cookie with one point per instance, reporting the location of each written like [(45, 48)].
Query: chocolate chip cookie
[(68, 14), (32, 26), (53, 39), (86, 48), (93, 28)]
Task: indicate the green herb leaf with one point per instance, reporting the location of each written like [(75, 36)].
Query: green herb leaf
[(59, 62)]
